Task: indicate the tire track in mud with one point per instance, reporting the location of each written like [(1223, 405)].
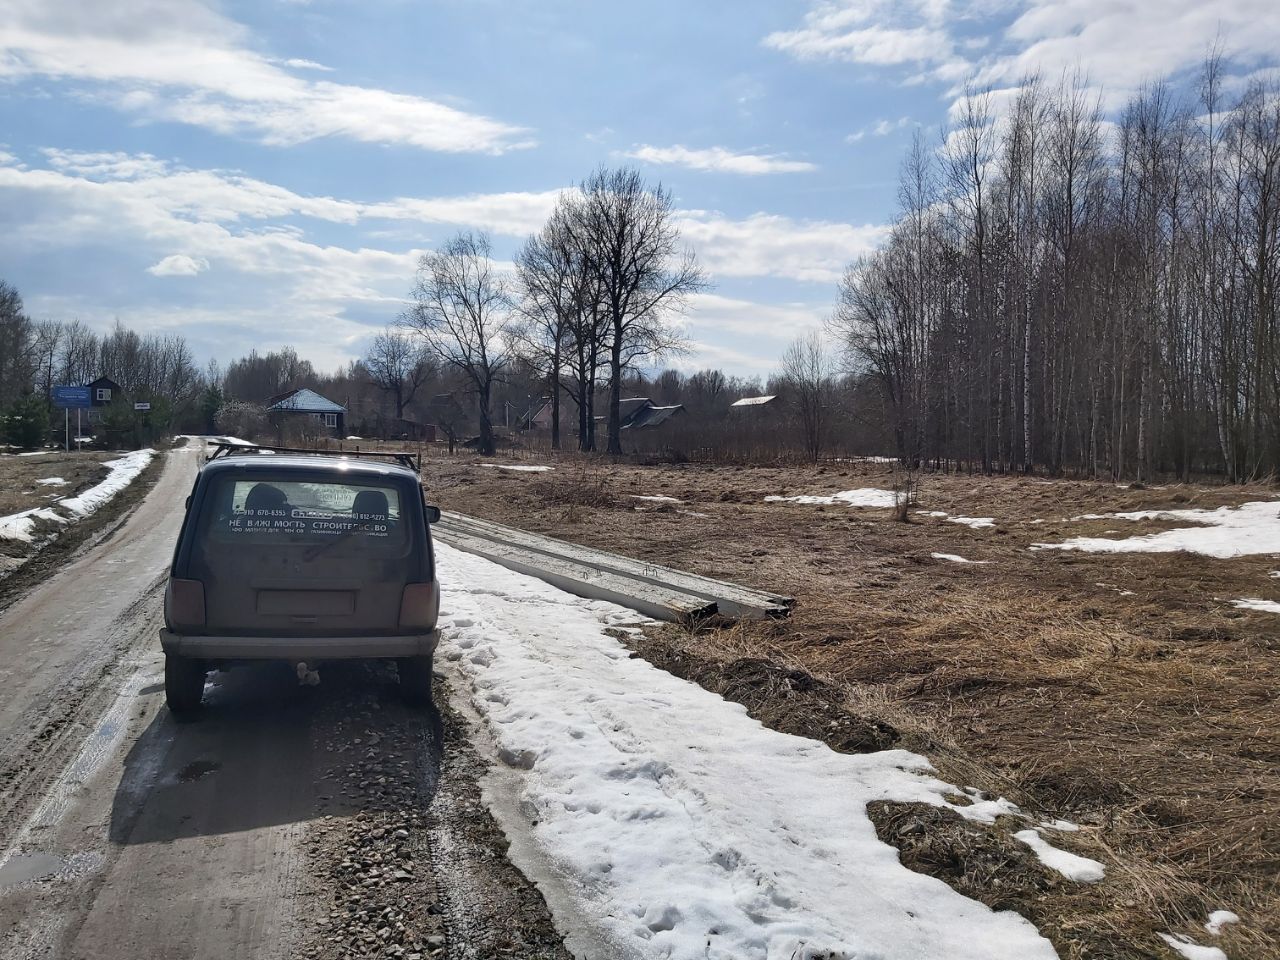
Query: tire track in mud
[(53, 730)]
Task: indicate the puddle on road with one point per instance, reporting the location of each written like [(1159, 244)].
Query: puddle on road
[(196, 769), (24, 867)]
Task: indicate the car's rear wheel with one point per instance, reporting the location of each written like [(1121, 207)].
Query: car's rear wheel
[(183, 684), (415, 680)]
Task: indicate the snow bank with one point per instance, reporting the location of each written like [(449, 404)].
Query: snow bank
[(1253, 603), (1251, 528), (22, 526), (1192, 950), (1219, 919), (122, 473), (1071, 866), (866, 497), (688, 830), (955, 558), (522, 468)]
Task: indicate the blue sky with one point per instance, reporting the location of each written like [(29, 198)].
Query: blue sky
[(267, 173)]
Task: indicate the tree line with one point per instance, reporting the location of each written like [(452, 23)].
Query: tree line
[(1067, 292)]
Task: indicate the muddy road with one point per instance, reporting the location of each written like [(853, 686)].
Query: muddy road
[(286, 821)]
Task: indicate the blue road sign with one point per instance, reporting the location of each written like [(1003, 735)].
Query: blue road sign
[(71, 397)]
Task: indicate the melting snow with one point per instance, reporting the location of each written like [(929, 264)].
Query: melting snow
[(520, 467), (655, 498), (53, 482), (1251, 528), (865, 497), (633, 783), (1219, 919), (978, 523), (122, 472), (1065, 826), (1192, 950), (22, 526), (954, 558), (1253, 603), (1071, 866)]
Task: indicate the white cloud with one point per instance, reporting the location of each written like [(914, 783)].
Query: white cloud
[(179, 265), (1120, 46), (881, 128), (180, 60), (711, 314), (719, 159), (876, 32), (1117, 45), (270, 282), (299, 64), (768, 245)]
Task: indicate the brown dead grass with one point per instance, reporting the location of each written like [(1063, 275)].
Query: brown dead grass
[(1120, 691), (18, 475)]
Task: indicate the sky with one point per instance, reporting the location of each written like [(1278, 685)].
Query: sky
[(267, 173)]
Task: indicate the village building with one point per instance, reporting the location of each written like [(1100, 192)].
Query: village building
[(306, 404)]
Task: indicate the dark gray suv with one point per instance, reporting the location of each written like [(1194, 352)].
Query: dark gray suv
[(301, 558)]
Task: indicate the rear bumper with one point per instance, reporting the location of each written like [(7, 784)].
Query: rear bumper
[(297, 648)]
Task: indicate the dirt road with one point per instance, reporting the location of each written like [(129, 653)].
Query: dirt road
[(286, 822)]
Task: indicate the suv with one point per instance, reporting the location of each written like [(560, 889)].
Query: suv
[(301, 558)]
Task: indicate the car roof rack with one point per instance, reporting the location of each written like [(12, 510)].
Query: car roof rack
[(411, 460)]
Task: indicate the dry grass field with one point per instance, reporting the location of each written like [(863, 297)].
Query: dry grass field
[(1123, 692)]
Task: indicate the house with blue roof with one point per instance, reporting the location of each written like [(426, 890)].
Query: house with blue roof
[(288, 407)]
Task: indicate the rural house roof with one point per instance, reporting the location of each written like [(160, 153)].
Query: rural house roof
[(304, 401), (753, 401), (651, 416), (630, 407)]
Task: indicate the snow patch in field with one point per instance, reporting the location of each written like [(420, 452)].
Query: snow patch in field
[(1064, 826), (1251, 528), (978, 523), (1073, 867), (1253, 603), (22, 526), (52, 482), (655, 498), (865, 497), (1219, 919), (1191, 950), (121, 473), (518, 467), (688, 830), (955, 558)]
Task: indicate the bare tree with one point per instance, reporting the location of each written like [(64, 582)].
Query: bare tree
[(806, 370), (398, 365), (462, 309), (625, 232), (555, 296)]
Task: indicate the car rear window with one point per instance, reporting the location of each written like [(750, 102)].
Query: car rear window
[(304, 511)]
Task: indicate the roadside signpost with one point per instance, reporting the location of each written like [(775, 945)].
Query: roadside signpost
[(142, 406), (66, 398)]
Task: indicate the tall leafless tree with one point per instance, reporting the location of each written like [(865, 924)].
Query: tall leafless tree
[(462, 309), (625, 232), (807, 373), (398, 365)]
